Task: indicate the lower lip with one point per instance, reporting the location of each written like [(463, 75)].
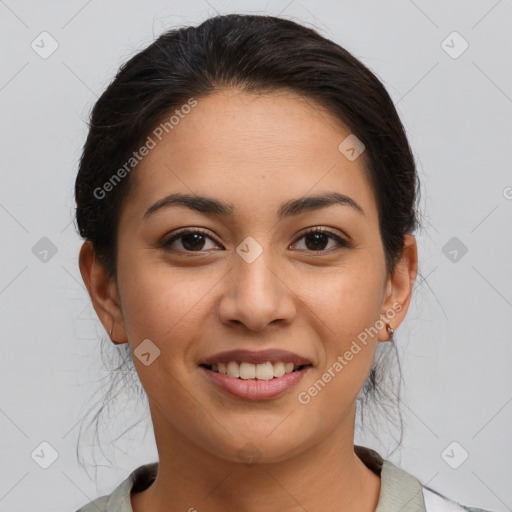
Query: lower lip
[(253, 389)]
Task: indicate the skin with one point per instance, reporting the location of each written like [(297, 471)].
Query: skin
[(254, 152)]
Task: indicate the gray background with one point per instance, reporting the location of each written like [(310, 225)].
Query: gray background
[(455, 345)]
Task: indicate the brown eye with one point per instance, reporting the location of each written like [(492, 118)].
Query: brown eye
[(192, 240), (318, 238), (195, 240)]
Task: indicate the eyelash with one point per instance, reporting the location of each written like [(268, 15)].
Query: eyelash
[(188, 231)]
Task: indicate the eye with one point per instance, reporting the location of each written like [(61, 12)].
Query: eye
[(193, 240), (316, 239)]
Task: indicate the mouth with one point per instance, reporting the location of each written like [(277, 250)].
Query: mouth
[(255, 375), (249, 371), (250, 381)]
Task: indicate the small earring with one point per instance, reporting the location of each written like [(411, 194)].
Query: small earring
[(390, 331)]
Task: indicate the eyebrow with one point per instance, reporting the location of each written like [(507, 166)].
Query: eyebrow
[(211, 206)]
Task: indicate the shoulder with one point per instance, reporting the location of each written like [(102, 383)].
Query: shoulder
[(98, 505), (436, 502), (119, 500), (402, 491)]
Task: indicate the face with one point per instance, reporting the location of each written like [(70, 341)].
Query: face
[(252, 279)]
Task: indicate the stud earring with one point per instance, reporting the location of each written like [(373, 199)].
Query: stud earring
[(390, 331)]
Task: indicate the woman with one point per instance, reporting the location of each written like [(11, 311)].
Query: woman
[(247, 195)]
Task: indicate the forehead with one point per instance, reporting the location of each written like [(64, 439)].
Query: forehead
[(250, 149)]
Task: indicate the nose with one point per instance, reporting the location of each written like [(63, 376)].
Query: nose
[(256, 295)]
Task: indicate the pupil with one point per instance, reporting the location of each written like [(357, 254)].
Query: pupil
[(197, 241), (316, 237)]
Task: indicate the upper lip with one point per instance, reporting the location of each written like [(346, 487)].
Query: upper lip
[(256, 357)]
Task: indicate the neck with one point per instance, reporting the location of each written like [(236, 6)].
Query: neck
[(326, 476)]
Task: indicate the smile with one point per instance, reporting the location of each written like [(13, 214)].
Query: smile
[(264, 371), (254, 388)]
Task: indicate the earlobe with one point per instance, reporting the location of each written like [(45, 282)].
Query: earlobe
[(102, 291), (399, 288)]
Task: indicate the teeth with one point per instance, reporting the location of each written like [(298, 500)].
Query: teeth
[(233, 369), (264, 371), (247, 371), (279, 369)]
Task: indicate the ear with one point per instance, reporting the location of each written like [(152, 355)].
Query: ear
[(103, 292), (399, 287)]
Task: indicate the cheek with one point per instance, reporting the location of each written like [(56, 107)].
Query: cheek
[(348, 300), (162, 304), (349, 343), (350, 306)]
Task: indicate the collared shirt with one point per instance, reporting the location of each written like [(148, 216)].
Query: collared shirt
[(399, 490)]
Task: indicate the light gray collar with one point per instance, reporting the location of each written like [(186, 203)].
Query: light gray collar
[(399, 490)]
